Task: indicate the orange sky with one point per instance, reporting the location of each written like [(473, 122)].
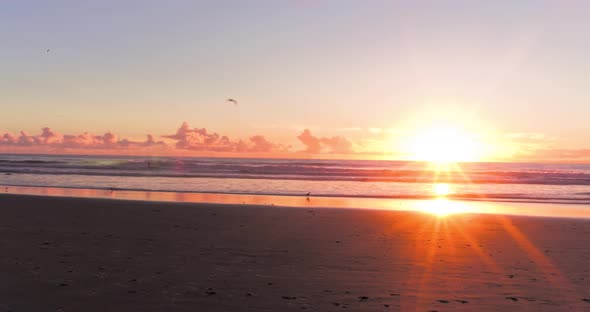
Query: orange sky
[(496, 80)]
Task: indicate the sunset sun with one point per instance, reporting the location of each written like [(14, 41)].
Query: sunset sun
[(442, 144)]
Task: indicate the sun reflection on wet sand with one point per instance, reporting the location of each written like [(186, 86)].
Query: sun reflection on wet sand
[(442, 206)]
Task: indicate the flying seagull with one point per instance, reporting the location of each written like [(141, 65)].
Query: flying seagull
[(233, 101)]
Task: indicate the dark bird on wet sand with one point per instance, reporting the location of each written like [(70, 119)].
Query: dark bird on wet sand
[(233, 101)]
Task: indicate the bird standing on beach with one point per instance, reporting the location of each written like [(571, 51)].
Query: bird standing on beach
[(233, 101)]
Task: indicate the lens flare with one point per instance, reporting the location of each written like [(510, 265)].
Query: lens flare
[(441, 189)]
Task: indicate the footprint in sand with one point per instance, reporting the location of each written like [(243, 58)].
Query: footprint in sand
[(289, 297)]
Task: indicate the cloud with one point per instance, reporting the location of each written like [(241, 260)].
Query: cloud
[(186, 138), (335, 144), (338, 144), (312, 143), (26, 140), (261, 144), (200, 139), (8, 138), (48, 136), (53, 139)]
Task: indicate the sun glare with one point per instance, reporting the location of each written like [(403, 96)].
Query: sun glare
[(444, 145), (441, 189), (441, 207)]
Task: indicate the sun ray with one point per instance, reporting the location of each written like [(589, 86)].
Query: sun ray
[(549, 270)]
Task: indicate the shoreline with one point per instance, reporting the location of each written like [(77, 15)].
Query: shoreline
[(504, 207), (74, 254), (457, 197)]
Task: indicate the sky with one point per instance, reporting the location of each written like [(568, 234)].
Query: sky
[(320, 79)]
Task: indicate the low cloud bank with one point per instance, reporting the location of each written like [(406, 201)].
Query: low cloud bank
[(335, 144), (50, 138), (201, 139), (185, 138)]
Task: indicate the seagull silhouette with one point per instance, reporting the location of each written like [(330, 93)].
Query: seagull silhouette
[(232, 101), (48, 50)]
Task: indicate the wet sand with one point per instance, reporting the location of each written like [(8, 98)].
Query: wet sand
[(82, 254)]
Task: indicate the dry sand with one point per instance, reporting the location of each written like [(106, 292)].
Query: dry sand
[(79, 254)]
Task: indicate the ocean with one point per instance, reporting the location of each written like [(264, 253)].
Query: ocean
[(534, 182)]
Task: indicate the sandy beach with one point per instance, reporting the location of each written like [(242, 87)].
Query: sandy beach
[(82, 254)]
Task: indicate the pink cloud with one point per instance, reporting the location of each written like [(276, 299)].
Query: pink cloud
[(50, 138), (338, 144), (312, 143), (27, 140), (261, 144), (186, 138), (200, 139), (335, 144), (8, 138)]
